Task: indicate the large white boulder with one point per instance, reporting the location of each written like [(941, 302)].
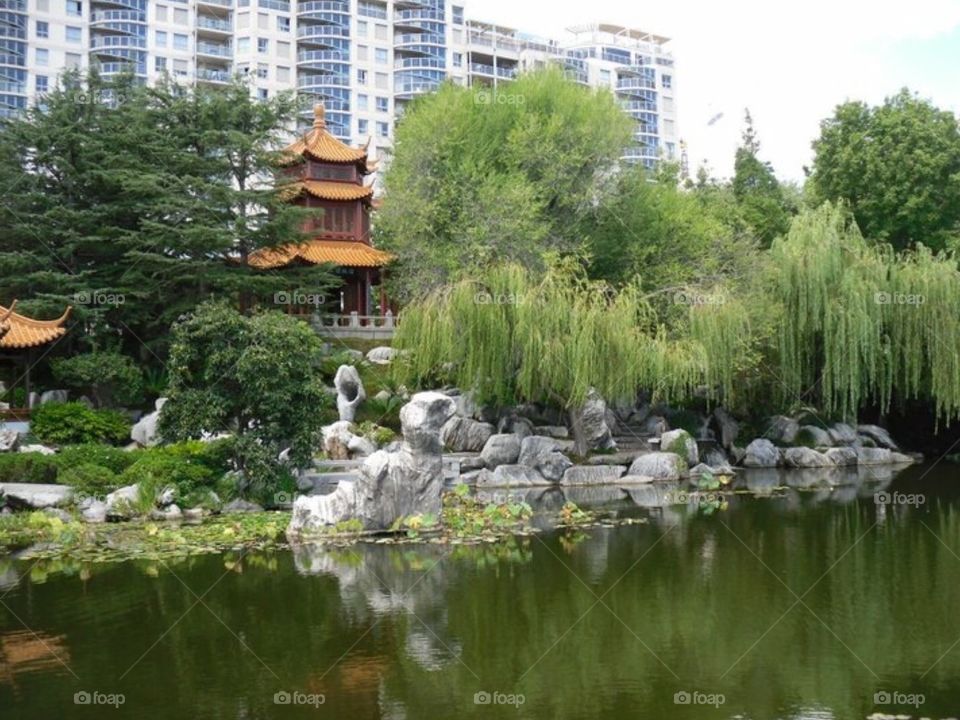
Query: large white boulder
[(35, 496), (659, 466), (593, 475), (502, 449), (544, 455), (761, 453), (461, 434), (381, 355), (804, 457), (681, 443), (350, 392), (144, 432)]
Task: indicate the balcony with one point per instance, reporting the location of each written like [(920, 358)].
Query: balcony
[(14, 88), (491, 71), (216, 3), (14, 5), (319, 32), (215, 25), (420, 63), (117, 41), (331, 104), (636, 83), (406, 90), (213, 76), (310, 56), (414, 39), (280, 5), (314, 83), (111, 16), (323, 6), (121, 68), (214, 50), (13, 59), (637, 106)]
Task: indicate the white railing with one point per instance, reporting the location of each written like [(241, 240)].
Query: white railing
[(374, 327)]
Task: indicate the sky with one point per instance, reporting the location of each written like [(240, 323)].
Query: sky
[(790, 63)]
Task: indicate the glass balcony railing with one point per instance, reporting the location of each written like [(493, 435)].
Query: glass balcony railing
[(504, 72), (14, 5), (306, 56), (137, 16), (117, 41), (319, 6), (636, 83), (417, 14), (208, 23), (419, 62), (308, 31), (16, 88), (219, 3), (217, 76), (418, 39), (204, 48), (307, 81)]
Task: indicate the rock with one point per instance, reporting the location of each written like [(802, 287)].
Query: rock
[(900, 459), (41, 449), (120, 502), (714, 457), (659, 466), (355, 355), (592, 474), (554, 431), (634, 480), (350, 392), (193, 513), (543, 455), (391, 484), (517, 425), (172, 512), (803, 457), (842, 456), (33, 400), (512, 476), (54, 396), (94, 512), (502, 449), (681, 443), (336, 439), (241, 506), (33, 496), (727, 427), (383, 355), (879, 436), (465, 406), (592, 417), (84, 400), (814, 436), (9, 440), (144, 432), (783, 429), (761, 453), (168, 496), (842, 434), (461, 434), (655, 426), (383, 396), (360, 446), (873, 456), (701, 469)]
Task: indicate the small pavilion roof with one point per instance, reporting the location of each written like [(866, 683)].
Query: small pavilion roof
[(320, 145), (345, 253), (328, 190), (21, 332)]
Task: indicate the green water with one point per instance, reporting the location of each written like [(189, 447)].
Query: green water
[(803, 604)]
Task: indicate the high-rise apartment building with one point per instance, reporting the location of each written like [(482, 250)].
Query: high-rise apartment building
[(364, 59)]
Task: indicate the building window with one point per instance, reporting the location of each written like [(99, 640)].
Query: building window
[(179, 41), (605, 77), (283, 23), (42, 83), (381, 56), (667, 80), (243, 20), (43, 57), (74, 34), (263, 21), (383, 104), (161, 13), (458, 59), (362, 77), (179, 68), (161, 38), (383, 129), (362, 102), (363, 53), (363, 127), (381, 32), (383, 81), (72, 61), (263, 45), (283, 49), (160, 64), (74, 8), (43, 30), (243, 45), (43, 5), (362, 28), (283, 74), (180, 16), (457, 15), (263, 93), (263, 70)]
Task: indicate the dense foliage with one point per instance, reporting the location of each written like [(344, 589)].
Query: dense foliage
[(109, 378), (74, 423), (256, 377), (897, 165)]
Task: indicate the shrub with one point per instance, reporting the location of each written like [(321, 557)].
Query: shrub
[(108, 377), (28, 468), (90, 479), (106, 456), (73, 423), (154, 471)]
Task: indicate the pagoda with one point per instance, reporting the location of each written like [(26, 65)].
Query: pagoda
[(319, 171), (21, 335)]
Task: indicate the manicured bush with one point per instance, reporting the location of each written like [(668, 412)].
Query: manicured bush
[(106, 456), (28, 468), (90, 479), (73, 423), (158, 470), (108, 377)]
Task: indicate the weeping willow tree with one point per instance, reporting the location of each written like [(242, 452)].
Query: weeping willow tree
[(862, 324)]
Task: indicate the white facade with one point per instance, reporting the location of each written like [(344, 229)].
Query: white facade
[(363, 58)]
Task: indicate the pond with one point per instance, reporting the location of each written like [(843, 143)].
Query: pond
[(788, 603)]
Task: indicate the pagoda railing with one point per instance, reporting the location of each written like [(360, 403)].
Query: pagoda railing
[(355, 325)]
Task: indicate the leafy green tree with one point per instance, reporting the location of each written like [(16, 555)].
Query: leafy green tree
[(482, 177), (107, 376), (255, 376), (898, 167), (762, 201), (133, 204)]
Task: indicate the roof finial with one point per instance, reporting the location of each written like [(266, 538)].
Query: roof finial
[(319, 116)]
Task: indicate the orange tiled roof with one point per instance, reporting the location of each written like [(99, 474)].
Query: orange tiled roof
[(20, 332), (345, 253), (328, 190), (320, 145)]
